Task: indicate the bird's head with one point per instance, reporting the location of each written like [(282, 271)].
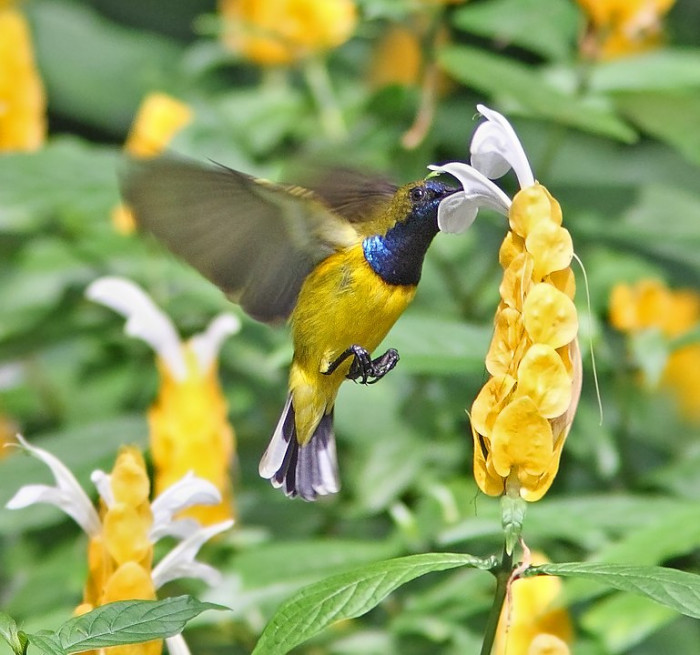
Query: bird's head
[(416, 204)]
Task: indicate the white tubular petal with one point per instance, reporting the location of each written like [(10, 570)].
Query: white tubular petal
[(67, 495), (495, 149), (458, 211), (180, 561), (143, 319), (188, 491), (103, 484), (177, 645), (206, 346)]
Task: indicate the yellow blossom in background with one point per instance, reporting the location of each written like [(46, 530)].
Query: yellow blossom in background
[(120, 556), (189, 430), (522, 416), (622, 27), (122, 534), (531, 623), (280, 32), (22, 98), (397, 58), (189, 426), (650, 304), (159, 118)]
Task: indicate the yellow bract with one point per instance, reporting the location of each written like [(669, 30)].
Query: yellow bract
[(190, 432), (530, 623), (159, 118), (522, 416), (120, 556), (622, 27), (278, 32), (652, 305), (22, 99)]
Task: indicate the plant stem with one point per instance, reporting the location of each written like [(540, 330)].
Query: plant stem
[(502, 574), (319, 83)]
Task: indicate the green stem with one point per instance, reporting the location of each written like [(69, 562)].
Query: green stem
[(502, 574), (316, 74)]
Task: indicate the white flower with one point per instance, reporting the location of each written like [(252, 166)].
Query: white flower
[(147, 322), (458, 211), (190, 490), (495, 149), (67, 495), (180, 561)]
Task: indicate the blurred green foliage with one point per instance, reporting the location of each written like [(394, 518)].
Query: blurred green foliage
[(617, 143)]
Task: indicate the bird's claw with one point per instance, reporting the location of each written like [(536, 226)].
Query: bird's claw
[(364, 369)]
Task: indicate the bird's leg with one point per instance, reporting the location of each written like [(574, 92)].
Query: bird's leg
[(363, 367)]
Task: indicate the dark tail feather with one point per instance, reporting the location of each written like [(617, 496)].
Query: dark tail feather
[(307, 471)]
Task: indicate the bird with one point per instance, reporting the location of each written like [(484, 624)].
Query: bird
[(339, 259)]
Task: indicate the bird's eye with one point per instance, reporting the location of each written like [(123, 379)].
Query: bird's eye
[(417, 193)]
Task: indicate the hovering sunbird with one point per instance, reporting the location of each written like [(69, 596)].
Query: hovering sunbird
[(340, 260)]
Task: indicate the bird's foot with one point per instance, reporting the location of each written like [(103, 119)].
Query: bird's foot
[(364, 369)]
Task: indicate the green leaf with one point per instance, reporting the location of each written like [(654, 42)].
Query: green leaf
[(96, 70), (47, 642), (349, 595), (547, 27), (124, 622), (621, 620), (678, 590), (513, 82), (14, 637), (668, 69), (670, 117)]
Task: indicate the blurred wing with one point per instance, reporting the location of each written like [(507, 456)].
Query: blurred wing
[(356, 196), (255, 240)]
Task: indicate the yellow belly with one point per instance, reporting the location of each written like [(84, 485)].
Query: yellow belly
[(342, 302)]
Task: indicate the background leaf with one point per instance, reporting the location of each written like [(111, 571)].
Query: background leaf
[(678, 590), (349, 595)]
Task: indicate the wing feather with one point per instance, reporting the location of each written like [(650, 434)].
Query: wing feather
[(255, 240)]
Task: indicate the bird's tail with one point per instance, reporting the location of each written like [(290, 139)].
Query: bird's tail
[(307, 471)]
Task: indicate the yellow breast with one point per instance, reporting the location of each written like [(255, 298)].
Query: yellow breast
[(343, 302)]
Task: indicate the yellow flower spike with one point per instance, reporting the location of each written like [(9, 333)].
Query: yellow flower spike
[(281, 32), (159, 118), (190, 432), (489, 403), (521, 438), (397, 58), (488, 480), (126, 533), (122, 534), (22, 98), (129, 581), (651, 304), (508, 343), (531, 206), (564, 281), (523, 414), (551, 248), (624, 27), (549, 316), (129, 481), (530, 622), (189, 427), (517, 279), (542, 377), (512, 246)]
